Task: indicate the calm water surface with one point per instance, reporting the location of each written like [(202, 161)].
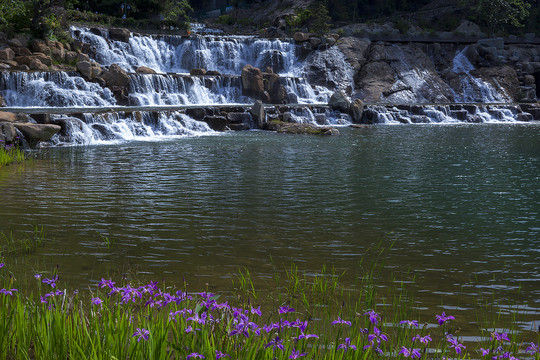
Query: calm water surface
[(461, 204)]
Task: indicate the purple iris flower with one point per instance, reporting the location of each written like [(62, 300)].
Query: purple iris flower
[(8, 292), (285, 309), (534, 349), (2, 265), (276, 343), (411, 323), (413, 353), (347, 345), (37, 276), (341, 321), (51, 281), (374, 318), (377, 336), (256, 311), (484, 351), (108, 283), (220, 355), (296, 354), (423, 339), (500, 337), (455, 344), (194, 356), (141, 334), (441, 319), (307, 336), (97, 301)]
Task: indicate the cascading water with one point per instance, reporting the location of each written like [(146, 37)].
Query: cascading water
[(90, 129), (180, 54), (474, 89), (176, 89), (59, 89)]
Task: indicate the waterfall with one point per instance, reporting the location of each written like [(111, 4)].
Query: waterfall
[(58, 89), (180, 54), (175, 89), (440, 114), (473, 89), (91, 129)]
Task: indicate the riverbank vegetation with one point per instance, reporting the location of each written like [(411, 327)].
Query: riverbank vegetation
[(312, 316), (10, 154)]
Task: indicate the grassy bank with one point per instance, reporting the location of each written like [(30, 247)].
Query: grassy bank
[(312, 317), (10, 154)]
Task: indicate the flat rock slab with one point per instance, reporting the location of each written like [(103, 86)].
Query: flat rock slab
[(34, 133), (295, 128)]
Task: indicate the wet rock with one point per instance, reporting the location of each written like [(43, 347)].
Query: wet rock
[(296, 128), (197, 72), (239, 118), (7, 54), (4, 66), (524, 117), (41, 118), (330, 69), (116, 76), (83, 57), (300, 36), (89, 70), (213, 73), (252, 83), (357, 111), (315, 42), (8, 134), (120, 34), (320, 119), (196, 113), (340, 102), (216, 123), (272, 85), (34, 133), (258, 113), (2, 101), (374, 79), (145, 70), (21, 67), (497, 43), (120, 94)]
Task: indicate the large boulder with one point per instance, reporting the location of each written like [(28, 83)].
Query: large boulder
[(119, 34), (252, 83), (22, 51), (89, 70), (300, 36), (40, 46), (116, 77), (35, 64), (374, 79), (145, 70), (216, 123), (258, 113), (340, 102), (34, 133), (8, 117), (329, 68), (356, 111), (8, 134), (43, 58), (197, 72), (276, 91), (58, 51)]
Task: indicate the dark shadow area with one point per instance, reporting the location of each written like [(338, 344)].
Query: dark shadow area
[(537, 82)]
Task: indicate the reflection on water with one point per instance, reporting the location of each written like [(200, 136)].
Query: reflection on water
[(461, 204)]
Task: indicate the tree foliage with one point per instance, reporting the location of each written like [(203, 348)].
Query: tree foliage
[(495, 13)]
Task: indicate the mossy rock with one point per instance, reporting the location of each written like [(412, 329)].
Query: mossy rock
[(295, 128)]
